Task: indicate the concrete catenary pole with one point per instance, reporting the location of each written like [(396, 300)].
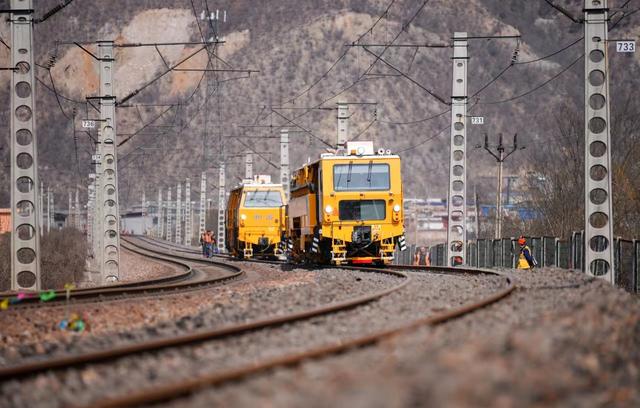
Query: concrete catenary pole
[(110, 220), (343, 125), (187, 213), (69, 222), (284, 162), (203, 203), (25, 240), (599, 260), (457, 202), (53, 211), (168, 229), (178, 235), (159, 207), (144, 213), (221, 208), (77, 212), (49, 212), (41, 209), (248, 166), (91, 202)]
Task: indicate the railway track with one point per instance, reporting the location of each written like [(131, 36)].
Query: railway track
[(177, 388), (198, 273)]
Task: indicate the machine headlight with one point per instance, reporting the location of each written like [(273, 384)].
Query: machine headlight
[(243, 217), (396, 208), (328, 209)]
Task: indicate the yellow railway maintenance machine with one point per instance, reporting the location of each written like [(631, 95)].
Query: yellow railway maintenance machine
[(256, 215), (346, 208)]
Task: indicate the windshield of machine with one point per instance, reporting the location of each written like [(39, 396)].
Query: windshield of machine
[(361, 210), (365, 176), (263, 198)]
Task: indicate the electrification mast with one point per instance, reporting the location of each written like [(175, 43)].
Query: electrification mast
[(457, 203), (599, 260), (25, 239)]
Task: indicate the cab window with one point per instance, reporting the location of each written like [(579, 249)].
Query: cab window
[(262, 198), (361, 210), (361, 176)]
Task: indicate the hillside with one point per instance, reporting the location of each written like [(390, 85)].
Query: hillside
[(292, 43)]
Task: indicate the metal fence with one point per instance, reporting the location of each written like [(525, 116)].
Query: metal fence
[(548, 251)]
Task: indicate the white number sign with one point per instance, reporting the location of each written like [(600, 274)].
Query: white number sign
[(88, 124), (626, 46), (477, 120)]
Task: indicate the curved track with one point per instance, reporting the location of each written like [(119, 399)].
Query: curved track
[(198, 273), (235, 329), (167, 391)]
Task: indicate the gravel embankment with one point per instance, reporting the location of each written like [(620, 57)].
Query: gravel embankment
[(428, 294), (561, 340), (268, 291)]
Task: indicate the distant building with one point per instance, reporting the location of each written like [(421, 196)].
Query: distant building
[(5, 220)]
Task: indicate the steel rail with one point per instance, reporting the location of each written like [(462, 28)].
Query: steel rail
[(151, 287), (203, 335), (173, 390)]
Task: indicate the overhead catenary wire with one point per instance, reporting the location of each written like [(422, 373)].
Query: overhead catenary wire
[(536, 88), (340, 58)]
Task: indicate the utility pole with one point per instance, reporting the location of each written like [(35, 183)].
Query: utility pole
[(221, 208), (187, 213), (179, 214), (168, 232), (203, 203), (108, 187), (500, 158), (284, 163), (599, 260), (343, 125), (457, 201), (25, 241), (248, 166)]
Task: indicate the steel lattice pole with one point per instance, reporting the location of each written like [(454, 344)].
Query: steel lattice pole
[(457, 202), (25, 238)]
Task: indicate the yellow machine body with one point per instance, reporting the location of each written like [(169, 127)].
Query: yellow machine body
[(347, 209), (255, 218)]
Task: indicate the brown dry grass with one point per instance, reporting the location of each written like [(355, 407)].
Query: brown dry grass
[(63, 258)]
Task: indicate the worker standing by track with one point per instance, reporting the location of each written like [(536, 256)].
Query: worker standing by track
[(207, 242), (214, 246), (422, 257), (525, 258), (203, 243)]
